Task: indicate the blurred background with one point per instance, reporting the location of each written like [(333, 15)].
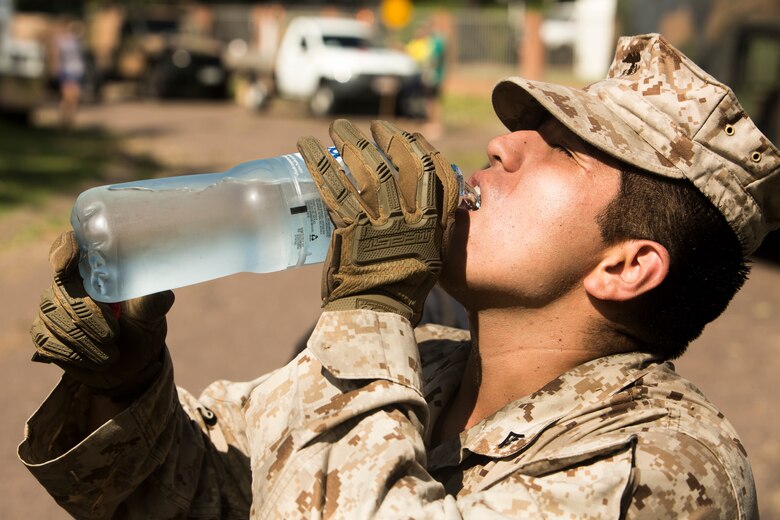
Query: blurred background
[(95, 92)]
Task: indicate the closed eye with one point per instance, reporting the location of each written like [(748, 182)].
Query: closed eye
[(563, 150)]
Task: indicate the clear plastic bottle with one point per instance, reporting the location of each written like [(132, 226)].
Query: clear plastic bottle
[(261, 216)]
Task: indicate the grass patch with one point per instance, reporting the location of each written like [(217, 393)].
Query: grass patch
[(463, 110), (37, 163), (42, 169)]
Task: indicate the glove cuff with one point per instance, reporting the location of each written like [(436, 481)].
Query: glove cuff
[(373, 302)]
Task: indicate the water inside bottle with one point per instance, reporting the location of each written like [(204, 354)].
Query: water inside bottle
[(175, 241), (142, 237)]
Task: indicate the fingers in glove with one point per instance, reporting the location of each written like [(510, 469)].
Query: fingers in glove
[(335, 188), (425, 178), (95, 319), (64, 253), (445, 174), (401, 148), (378, 191), (68, 293), (59, 348), (71, 326)]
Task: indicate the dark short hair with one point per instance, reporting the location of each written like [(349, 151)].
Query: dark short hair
[(707, 266)]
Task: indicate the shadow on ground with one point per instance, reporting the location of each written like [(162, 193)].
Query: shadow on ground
[(38, 162)]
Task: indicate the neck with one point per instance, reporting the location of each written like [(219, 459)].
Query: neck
[(516, 352)]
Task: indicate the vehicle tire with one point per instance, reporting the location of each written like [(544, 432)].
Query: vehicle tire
[(412, 107), (322, 101), (150, 83), (156, 82)]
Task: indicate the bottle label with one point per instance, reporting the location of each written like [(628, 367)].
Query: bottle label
[(312, 227), (317, 231), (319, 227)]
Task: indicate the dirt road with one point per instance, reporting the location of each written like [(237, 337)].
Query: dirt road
[(242, 326)]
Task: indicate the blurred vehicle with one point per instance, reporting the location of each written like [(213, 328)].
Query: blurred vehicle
[(23, 78), (186, 67), (165, 61), (558, 31), (748, 60), (332, 63)]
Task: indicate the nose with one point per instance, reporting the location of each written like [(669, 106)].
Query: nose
[(510, 150)]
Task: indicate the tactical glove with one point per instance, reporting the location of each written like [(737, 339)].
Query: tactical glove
[(115, 352), (391, 233)]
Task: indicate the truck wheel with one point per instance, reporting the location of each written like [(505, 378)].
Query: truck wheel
[(151, 86), (322, 101)]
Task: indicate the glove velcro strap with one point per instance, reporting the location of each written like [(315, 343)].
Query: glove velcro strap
[(371, 302)]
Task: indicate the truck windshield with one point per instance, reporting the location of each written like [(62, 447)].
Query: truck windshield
[(350, 42)]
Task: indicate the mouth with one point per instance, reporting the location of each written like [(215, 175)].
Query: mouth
[(470, 197)]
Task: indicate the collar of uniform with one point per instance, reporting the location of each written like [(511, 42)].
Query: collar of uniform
[(518, 424)]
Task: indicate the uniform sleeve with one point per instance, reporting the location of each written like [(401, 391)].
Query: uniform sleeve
[(677, 476), (167, 456), (340, 434)]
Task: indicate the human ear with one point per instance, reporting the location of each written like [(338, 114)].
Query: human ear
[(627, 270)]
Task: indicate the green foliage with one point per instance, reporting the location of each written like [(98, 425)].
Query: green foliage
[(536, 5), (466, 110), (37, 163), (464, 113)]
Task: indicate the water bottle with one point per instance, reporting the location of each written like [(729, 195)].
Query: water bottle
[(262, 216)]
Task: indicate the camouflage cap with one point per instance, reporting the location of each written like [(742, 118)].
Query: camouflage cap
[(659, 111)]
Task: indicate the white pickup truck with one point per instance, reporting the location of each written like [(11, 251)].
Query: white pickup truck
[(333, 63)]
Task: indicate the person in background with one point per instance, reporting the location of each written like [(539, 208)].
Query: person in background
[(428, 49), (70, 67)]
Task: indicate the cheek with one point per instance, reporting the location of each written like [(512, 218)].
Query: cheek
[(539, 220), (542, 209)]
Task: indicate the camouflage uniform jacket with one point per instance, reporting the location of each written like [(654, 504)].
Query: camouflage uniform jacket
[(343, 431)]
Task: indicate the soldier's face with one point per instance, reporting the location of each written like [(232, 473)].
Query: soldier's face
[(535, 235)]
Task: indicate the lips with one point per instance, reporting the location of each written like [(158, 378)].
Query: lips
[(476, 179), (472, 198)]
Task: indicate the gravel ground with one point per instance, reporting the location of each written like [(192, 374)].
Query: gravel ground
[(242, 326)]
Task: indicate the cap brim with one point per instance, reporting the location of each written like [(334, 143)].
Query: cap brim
[(523, 104)]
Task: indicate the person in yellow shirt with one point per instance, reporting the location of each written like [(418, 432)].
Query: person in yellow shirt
[(428, 49)]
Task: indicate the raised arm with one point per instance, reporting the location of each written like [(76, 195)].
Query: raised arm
[(116, 437)]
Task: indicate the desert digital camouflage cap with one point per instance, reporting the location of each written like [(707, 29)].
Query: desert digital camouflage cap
[(659, 111)]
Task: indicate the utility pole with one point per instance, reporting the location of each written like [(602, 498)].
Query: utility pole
[(532, 53)]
